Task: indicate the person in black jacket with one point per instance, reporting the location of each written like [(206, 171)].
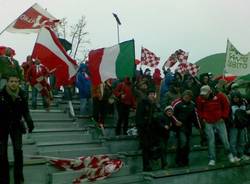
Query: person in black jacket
[(184, 111), (166, 122), (13, 107), (146, 119)]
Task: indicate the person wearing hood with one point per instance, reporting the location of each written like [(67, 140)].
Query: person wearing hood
[(84, 86)]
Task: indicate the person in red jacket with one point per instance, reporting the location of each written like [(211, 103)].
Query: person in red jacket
[(213, 109), (37, 77), (123, 92)]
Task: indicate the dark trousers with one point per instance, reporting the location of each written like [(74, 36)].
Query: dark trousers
[(123, 114), (183, 148), (99, 110), (164, 149), (16, 138)]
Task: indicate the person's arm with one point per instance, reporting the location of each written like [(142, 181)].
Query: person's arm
[(26, 114)]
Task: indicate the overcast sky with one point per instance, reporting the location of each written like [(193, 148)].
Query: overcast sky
[(200, 27)]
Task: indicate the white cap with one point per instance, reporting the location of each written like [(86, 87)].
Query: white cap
[(168, 107), (205, 90)]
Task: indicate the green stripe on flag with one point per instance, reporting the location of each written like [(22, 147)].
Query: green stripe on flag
[(125, 62)]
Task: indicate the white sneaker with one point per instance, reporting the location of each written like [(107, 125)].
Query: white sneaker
[(236, 159), (231, 158), (245, 158), (211, 163)]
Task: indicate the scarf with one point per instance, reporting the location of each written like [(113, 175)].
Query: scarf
[(13, 94)]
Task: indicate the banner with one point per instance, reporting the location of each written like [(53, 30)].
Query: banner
[(236, 63), (32, 20)]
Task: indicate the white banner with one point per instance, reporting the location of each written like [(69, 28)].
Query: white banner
[(236, 63)]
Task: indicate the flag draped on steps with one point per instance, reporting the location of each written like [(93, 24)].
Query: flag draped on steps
[(93, 168), (149, 58), (112, 62), (236, 63), (51, 53), (32, 20)]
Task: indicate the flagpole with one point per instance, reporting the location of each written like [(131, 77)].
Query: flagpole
[(118, 23), (224, 70), (16, 19), (118, 33)]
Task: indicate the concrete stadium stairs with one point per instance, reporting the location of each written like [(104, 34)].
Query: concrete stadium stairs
[(56, 134)]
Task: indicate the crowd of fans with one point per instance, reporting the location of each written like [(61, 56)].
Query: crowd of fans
[(172, 104)]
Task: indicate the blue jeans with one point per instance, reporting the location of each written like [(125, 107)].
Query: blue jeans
[(238, 139), (34, 94), (220, 128), (85, 106)]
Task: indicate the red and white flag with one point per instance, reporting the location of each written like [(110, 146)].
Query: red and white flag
[(32, 20), (181, 56), (51, 53), (149, 58), (192, 69), (170, 61), (92, 168)]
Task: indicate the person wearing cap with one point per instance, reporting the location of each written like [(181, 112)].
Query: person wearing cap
[(184, 111), (213, 109), (145, 119), (166, 122)]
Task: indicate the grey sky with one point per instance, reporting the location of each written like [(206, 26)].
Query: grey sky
[(200, 27)]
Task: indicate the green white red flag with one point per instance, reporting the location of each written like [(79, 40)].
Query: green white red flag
[(117, 61)]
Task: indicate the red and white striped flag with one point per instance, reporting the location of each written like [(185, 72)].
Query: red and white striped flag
[(192, 69), (149, 58), (51, 53), (32, 20)]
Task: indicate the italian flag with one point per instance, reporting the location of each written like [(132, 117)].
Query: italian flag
[(112, 62)]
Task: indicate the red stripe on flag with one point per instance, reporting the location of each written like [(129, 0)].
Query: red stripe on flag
[(95, 58)]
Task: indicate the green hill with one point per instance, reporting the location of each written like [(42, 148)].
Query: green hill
[(213, 63)]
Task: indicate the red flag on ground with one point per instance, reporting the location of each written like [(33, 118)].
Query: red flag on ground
[(51, 53), (32, 20), (93, 168), (149, 58)]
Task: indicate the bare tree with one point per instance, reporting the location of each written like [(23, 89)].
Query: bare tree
[(77, 37)]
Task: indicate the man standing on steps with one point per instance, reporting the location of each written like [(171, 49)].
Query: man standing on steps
[(13, 107), (213, 108)]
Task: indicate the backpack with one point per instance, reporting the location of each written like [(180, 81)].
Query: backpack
[(241, 119)]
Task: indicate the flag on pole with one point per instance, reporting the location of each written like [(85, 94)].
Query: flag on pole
[(149, 58), (117, 61), (51, 53), (192, 69), (236, 63), (32, 20), (170, 61), (181, 56)]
